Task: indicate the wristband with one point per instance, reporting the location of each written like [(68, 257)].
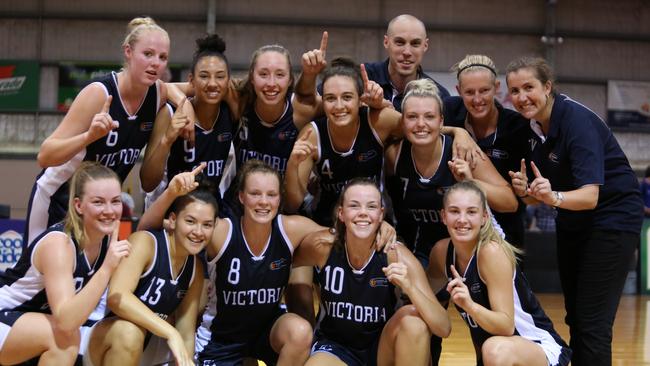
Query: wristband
[(559, 198)]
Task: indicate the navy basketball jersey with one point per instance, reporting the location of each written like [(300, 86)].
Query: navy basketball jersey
[(335, 168), (530, 320), (118, 150), (249, 288), (22, 287), (211, 146), (505, 148), (355, 304), (158, 288), (270, 142), (417, 200)]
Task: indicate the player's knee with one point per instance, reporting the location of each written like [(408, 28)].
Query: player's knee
[(414, 328), (495, 351), (127, 337), (300, 333), (65, 339)]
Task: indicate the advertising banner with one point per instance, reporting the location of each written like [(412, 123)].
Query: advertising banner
[(11, 242), (628, 104), (645, 257), (73, 76), (19, 85)]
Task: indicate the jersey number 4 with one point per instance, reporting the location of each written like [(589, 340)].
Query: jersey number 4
[(326, 170)]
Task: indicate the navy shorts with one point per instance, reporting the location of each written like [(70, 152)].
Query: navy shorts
[(232, 353), (350, 356)]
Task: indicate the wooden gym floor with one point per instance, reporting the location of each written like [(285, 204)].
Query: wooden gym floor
[(631, 345)]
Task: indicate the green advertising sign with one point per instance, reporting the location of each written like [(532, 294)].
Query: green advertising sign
[(19, 85), (645, 257), (74, 76)]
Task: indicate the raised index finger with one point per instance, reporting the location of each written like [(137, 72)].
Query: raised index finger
[(107, 104), (522, 169), (305, 137), (180, 105), (323, 43), (364, 77), (536, 171), (116, 232), (198, 169), (454, 272)]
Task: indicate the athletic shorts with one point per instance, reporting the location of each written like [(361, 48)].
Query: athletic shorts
[(350, 356), (7, 320), (224, 352)]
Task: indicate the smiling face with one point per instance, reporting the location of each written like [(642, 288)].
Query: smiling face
[(529, 95), (478, 88), (100, 206), (464, 214), (193, 226), (341, 100), (406, 42), (361, 211), (210, 79), (422, 120), (271, 77), (147, 57), (260, 197)]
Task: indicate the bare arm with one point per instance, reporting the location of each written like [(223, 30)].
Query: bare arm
[(464, 146), (436, 269), (312, 251), (155, 157), (496, 270), (299, 166), (179, 185), (123, 302), (54, 258), (176, 94), (405, 271), (188, 310), (499, 194), (583, 198), (313, 62), (86, 122), (387, 122), (306, 102)]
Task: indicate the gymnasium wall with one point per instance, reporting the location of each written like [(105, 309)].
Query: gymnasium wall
[(601, 40)]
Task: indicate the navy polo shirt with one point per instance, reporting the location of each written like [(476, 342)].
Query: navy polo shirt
[(378, 72), (506, 146), (580, 149)]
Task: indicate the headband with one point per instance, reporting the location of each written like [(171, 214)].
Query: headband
[(472, 65)]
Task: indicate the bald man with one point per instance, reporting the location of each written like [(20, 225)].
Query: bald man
[(406, 43)]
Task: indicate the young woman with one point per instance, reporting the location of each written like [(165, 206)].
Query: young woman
[(109, 122), (421, 167), (160, 281), (579, 168), (501, 133), (270, 115), (347, 143), (506, 322), (213, 129), (53, 289), (359, 324), (249, 260)]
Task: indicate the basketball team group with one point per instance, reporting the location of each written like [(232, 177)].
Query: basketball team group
[(329, 217)]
